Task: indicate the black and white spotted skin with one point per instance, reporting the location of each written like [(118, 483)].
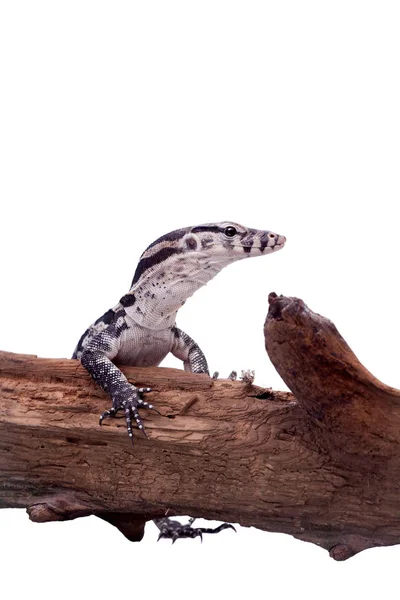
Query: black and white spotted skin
[(174, 530), (141, 329)]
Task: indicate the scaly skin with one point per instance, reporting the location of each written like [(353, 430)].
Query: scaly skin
[(141, 330)]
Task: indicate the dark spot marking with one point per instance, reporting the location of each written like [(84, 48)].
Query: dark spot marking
[(210, 228), (128, 300), (247, 245), (169, 237), (107, 318), (191, 243), (264, 242), (175, 332), (152, 261)]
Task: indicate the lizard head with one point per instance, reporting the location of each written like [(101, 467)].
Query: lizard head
[(210, 246), (229, 242), (177, 264)]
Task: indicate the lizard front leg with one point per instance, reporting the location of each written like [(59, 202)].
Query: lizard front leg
[(189, 352), (97, 360), (194, 360)]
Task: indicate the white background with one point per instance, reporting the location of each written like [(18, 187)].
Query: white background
[(121, 121)]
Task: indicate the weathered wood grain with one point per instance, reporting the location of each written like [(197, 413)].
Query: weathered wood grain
[(322, 465)]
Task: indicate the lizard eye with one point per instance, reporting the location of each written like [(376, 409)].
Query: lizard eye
[(230, 231)]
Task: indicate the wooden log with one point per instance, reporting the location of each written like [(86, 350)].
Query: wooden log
[(322, 465)]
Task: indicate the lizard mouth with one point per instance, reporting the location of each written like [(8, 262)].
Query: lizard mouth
[(280, 242)]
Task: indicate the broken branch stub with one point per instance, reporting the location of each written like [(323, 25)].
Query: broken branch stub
[(353, 424)]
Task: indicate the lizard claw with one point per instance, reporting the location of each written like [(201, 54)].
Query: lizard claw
[(143, 404), (247, 376), (232, 375), (107, 413), (130, 406)]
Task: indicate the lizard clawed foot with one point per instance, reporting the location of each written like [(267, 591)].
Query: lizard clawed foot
[(232, 375), (130, 405), (246, 376), (174, 530)]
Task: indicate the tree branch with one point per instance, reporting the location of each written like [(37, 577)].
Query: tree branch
[(323, 466)]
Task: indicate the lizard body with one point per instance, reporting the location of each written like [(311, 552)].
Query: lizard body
[(141, 330)]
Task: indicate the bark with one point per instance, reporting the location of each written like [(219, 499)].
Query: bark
[(321, 464)]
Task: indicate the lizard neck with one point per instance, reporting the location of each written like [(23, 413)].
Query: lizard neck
[(158, 298)]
